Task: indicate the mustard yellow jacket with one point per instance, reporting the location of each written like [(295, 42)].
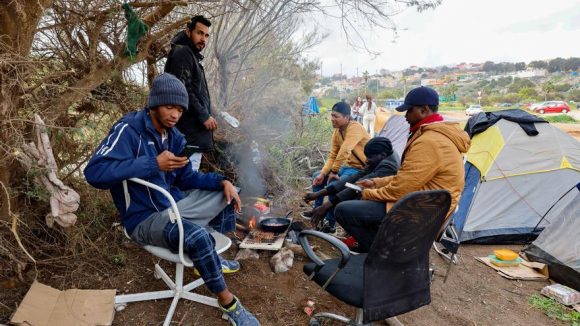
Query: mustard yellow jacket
[(346, 148), (432, 159)]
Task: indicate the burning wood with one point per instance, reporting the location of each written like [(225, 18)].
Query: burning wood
[(252, 223)]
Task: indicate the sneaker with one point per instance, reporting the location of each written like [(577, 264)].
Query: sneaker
[(237, 315), (307, 215), (228, 266), (326, 228)]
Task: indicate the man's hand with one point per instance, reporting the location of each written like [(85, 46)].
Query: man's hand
[(366, 183), (231, 193), (319, 213), (332, 176), (168, 162), (318, 180), (310, 196), (210, 124)]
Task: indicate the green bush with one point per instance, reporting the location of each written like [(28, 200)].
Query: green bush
[(289, 157), (560, 118), (327, 102), (554, 309)]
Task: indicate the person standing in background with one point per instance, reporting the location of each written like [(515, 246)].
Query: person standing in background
[(184, 62), (356, 106), (368, 111)]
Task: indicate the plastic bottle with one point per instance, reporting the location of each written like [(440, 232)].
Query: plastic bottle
[(230, 119)]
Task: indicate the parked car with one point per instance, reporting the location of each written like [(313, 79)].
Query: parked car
[(505, 105), (535, 105), (473, 109), (553, 107)]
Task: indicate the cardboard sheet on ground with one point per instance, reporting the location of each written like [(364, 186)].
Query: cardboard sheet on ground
[(527, 271), (44, 305)]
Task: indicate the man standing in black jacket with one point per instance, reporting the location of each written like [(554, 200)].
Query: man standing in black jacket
[(184, 62)]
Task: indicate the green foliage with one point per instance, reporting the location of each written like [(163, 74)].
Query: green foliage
[(560, 118), (288, 158), (32, 189), (562, 87), (574, 95), (395, 93), (307, 74), (527, 93), (538, 64), (449, 91), (520, 83), (504, 81), (554, 310), (326, 102), (118, 259)]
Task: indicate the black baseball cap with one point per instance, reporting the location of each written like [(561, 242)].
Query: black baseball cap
[(418, 97)]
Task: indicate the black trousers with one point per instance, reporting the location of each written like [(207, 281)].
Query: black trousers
[(361, 219)]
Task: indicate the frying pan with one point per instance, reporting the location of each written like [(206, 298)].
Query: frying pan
[(275, 224)]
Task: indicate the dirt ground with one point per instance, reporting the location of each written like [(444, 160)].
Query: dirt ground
[(473, 295)]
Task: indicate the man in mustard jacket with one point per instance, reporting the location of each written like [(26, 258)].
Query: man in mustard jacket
[(432, 159), (346, 156)]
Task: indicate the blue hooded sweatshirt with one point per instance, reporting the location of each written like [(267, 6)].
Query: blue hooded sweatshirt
[(130, 151)]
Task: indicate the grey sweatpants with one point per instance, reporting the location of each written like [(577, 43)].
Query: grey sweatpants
[(199, 207)]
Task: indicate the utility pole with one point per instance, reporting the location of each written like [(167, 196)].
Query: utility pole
[(341, 82), (358, 88), (378, 81)]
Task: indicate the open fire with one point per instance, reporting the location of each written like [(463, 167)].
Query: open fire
[(252, 223)]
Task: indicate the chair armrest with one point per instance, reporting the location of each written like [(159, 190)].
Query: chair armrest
[(343, 248), (173, 213)]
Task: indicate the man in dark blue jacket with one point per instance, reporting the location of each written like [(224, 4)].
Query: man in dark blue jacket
[(145, 145), (184, 62), (381, 161)]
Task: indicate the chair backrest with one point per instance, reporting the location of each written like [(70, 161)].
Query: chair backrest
[(174, 216), (396, 271)]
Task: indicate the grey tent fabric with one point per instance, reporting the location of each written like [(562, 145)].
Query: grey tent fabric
[(559, 244), (521, 178), (516, 205), (396, 129)]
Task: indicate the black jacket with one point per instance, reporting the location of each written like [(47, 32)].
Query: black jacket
[(481, 121), (338, 192), (184, 62)]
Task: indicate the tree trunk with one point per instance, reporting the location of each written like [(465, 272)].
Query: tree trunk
[(18, 23)]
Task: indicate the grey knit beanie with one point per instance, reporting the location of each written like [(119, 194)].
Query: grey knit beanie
[(167, 90)]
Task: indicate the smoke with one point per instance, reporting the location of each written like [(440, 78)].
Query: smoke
[(250, 169), (249, 151)]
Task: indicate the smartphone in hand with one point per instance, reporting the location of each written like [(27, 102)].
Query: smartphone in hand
[(353, 187), (187, 151)]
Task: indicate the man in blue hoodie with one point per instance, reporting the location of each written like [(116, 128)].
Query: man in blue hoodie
[(145, 144)]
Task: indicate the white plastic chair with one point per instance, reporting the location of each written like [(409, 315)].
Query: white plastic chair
[(176, 288)]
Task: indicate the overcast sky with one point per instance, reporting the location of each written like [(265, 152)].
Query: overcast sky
[(459, 31)]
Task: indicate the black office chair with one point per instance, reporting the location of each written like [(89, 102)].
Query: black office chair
[(393, 278)]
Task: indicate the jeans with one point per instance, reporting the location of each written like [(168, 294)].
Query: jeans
[(344, 171), (361, 219)]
